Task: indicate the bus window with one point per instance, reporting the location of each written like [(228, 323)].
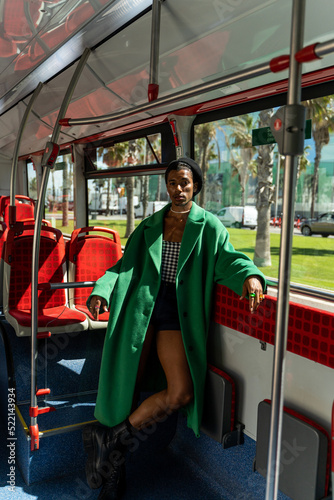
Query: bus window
[(59, 200), (32, 180), (242, 167), (141, 151), (122, 202)]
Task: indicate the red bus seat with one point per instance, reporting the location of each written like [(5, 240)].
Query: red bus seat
[(89, 256), (25, 207), (53, 313)]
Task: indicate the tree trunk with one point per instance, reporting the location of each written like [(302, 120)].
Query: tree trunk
[(53, 196), (262, 257), (202, 196), (246, 157), (158, 193), (65, 194), (264, 197), (108, 198), (145, 195), (130, 217), (317, 157)]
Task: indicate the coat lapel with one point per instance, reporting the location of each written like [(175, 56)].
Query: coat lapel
[(192, 232), (153, 236)]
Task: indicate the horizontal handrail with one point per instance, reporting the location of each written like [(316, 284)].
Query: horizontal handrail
[(305, 290), (320, 294), (59, 286), (239, 76)]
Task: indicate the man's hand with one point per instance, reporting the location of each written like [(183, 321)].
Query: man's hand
[(253, 288), (95, 305)]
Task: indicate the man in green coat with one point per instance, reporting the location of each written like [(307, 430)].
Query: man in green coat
[(169, 268)]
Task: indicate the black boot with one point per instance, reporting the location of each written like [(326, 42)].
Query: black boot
[(114, 487), (106, 448), (120, 437), (95, 438)]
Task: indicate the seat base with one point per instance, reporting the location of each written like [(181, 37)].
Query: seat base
[(59, 319)]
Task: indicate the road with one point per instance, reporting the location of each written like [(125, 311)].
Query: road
[(296, 231)]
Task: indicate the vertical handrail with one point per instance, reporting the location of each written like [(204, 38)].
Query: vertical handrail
[(290, 178), (153, 86), (37, 232), (16, 151)]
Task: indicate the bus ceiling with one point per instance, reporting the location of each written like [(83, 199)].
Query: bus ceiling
[(198, 43)]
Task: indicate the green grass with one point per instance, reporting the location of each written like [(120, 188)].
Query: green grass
[(312, 257)]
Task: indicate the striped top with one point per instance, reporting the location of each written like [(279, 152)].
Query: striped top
[(170, 257)]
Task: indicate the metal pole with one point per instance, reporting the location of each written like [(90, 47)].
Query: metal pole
[(237, 77), (18, 142), (290, 178), (37, 233), (322, 49), (153, 87)]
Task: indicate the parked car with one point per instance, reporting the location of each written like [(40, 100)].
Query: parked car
[(238, 216), (324, 225)]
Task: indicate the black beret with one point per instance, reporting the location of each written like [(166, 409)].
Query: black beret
[(194, 167)]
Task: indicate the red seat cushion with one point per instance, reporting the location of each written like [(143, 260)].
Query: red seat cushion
[(51, 317)]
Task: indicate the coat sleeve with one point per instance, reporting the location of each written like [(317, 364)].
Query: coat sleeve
[(104, 286), (233, 267)]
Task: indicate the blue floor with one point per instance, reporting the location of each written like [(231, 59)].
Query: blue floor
[(188, 469)]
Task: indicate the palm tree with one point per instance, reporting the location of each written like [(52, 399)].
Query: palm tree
[(33, 187), (264, 195), (113, 157), (242, 160), (205, 134), (321, 112), (53, 195), (66, 165), (142, 153), (132, 159)]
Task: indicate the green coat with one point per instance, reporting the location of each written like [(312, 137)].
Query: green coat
[(130, 289)]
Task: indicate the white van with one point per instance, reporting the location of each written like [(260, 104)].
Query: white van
[(152, 207), (238, 216)]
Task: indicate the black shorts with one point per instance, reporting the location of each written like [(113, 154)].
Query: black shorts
[(165, 315)]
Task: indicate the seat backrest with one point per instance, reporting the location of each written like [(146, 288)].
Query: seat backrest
[(90, 255), (24, 208), (52, 267)]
